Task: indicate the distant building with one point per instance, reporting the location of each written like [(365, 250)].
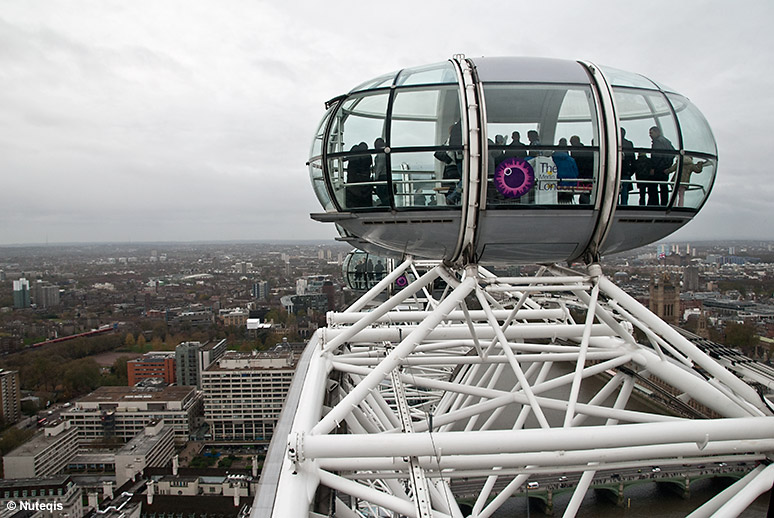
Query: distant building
[(151, 448), (236, 317), (665, 298), (120, 413), (244, 394), (53, 497), (45, 295), (329, 290), (261, 290), (316, 302), (193, 357), (155, 364), (211, 485), (21, 293), (691, 278), (193, 317), (46, 454), (255, 326), (10, 397)]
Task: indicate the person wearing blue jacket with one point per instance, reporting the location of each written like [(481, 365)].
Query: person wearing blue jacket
[(566, 168)]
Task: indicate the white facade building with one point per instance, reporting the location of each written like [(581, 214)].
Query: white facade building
[(153, 448), (120, 413), (244, 394), (45, 455)]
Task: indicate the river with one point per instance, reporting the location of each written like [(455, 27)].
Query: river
[(645, 501)]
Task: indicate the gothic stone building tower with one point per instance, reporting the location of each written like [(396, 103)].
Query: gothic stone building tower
[(665, 297)]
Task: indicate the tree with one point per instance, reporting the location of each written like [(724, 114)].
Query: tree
[(157, 344), (129, 340), (12, 438), (743, 336), (120, 370), (80, 377)]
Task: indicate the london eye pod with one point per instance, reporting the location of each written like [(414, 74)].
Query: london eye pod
[(511, 159)]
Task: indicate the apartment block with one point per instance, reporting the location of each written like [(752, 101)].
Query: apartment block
[(46, 454), (193, 357), (10, 397), (160, 365), (152, 448), (244, 394)]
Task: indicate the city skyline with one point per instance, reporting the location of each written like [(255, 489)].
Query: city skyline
[(184, 122)]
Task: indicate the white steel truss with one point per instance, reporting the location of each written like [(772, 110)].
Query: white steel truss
[(420, 401)]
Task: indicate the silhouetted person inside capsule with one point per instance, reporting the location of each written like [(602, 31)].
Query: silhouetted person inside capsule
[(660, 163), (359, 171), (380, 173), (369, 273), (643, 171), (585, 163), (516, 148), (627, 167), (378, 270), (359, 272), (453, 160)]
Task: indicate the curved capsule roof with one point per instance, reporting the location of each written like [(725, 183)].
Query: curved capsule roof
[(510, 160)]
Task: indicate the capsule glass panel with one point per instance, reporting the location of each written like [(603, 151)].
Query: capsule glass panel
[(427, 179), (695, 179), (639, 110), (318, 183), (382, 81), (527, 125), (357, 126), (696, 132), (438, 73), (617, 77), (359, 119), (362, 270), (317, 142), (315, 165), (423, 117)]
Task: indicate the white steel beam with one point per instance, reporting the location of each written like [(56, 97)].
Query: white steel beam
[(738, 496), (506, 441), (682, 344), (336, 415)]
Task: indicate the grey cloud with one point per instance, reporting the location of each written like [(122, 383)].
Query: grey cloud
[(192, 120)]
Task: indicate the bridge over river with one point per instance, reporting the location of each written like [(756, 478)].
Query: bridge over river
[(611, 485)]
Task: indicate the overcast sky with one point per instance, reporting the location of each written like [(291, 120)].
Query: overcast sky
[(155, 120)]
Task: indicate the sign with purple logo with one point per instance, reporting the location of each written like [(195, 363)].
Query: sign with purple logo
[(514, 177), (401, 282)]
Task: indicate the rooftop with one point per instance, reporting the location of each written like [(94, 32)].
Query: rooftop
[(130, 394), (50, 482), (143, 442), (155, 356), (37, 442), (234, 360), (192, 505)]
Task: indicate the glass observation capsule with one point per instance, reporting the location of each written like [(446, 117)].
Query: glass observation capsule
[(510, 160), (362, 271)]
